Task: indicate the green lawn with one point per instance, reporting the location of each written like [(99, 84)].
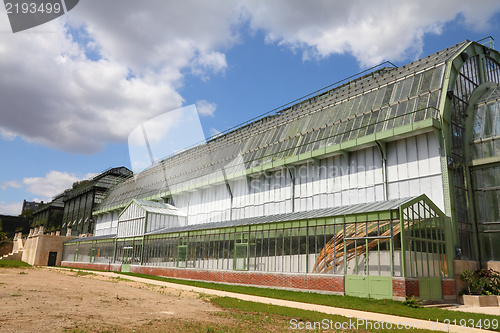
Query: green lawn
[(13, 264), (304, 320), (348, 302), (356, 303)]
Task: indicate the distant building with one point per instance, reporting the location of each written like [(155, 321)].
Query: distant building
[(80, 201), (33, 205), (49, 215)]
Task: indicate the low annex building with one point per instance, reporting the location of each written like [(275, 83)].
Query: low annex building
[(383, 185)]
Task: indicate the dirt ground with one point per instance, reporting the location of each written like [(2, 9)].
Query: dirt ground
[(42, 300)]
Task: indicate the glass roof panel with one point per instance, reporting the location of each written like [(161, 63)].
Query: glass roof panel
[(375, 91)]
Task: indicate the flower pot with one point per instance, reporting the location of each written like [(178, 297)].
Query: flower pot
[(481, 300)]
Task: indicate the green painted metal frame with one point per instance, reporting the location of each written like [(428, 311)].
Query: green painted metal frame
[(423, 126), (451, 74), (446, 222), (238, 233)]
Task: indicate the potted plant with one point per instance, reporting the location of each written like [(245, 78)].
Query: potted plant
[(482, 287)]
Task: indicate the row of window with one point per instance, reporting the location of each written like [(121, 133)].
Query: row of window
[(363, 248), (276, 137)]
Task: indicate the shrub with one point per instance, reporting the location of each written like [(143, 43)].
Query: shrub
[(413, 302), (481, 282)]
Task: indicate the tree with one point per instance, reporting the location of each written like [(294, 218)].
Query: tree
[(3, 235), (28, 214)]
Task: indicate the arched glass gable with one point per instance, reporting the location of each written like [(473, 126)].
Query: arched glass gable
[(485, 137), (467, 81), (475, 71), (485, 144)]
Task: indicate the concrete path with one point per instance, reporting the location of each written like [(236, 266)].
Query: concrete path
[(491, 310), (356, 318)]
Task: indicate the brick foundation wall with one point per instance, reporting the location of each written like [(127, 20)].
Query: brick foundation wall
[(405, 288), (333, 284), (98, 266), (306, 282), (448, 286), (401, 287)]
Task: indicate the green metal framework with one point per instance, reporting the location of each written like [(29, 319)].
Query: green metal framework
[(484, 149), (454, 93), (378, 106), (473, 68), (406, 241), (423, 240)]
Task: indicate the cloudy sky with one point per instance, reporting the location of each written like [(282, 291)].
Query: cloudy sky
[(73, 89)]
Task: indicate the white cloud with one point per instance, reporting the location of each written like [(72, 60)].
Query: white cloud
[(205, 108), (11, 208), (54, 182), (214, 62), (53, 93), (373, 31), (214, 132), (11, 183), (7, 135), (78, 105)]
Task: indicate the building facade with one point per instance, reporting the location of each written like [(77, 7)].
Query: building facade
[(382, 185), (49, 215), (30, 205), (80, 201)]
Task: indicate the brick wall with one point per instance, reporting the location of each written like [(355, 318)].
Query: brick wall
[(101, 267), (291, 281), (448, 286), (405, 287), (401, 288)]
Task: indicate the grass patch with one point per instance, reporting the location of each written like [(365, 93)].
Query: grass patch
[(292, 318), (13, 264), (348, 302)]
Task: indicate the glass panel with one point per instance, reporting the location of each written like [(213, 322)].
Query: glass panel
[(422, 102), (396, 95), (478, 122), (241, 256), (434, 99), (438, 77), (381, 124), (380, 96), (388, 93), (426, 82), (489, 120), (416, 85), (405, 93)]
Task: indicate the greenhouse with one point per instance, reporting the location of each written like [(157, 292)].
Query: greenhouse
[(379, 185), (396, 238)]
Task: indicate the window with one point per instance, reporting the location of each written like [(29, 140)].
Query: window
[(241, 252)]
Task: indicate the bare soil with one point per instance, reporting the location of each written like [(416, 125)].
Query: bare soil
[(42, 300)]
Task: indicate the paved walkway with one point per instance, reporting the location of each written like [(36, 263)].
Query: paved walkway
[(356, 317)]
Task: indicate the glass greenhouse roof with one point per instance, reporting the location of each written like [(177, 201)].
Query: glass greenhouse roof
[(158, 208), (380, 101), (312, 214)]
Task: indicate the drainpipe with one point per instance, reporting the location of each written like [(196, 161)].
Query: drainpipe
[(292, 184), (383, 155), (228, 187)]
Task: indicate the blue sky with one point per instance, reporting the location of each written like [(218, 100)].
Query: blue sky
[(73, 89)]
